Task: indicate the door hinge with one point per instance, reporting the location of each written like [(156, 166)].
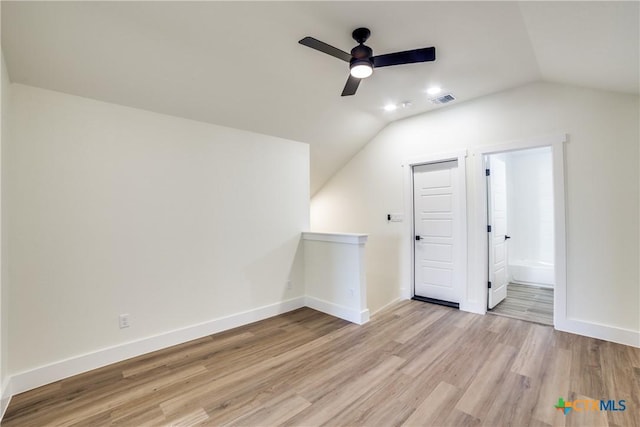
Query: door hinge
[(488, 229), (489, 285), (487, 172)]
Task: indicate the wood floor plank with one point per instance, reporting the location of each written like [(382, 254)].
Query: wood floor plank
[(515, 334), (476, 401), (315, 387), (191, 419), (306, 374), (620, 382), (499, 324), (437, 403), (394, 401), (513, 401), (413, 364), (419, 326), (400, 396), (184, 354), (274, 413), (456, 418), (223, 386), (38, 399), (465, 320), (555, 384), (586, 369), (336, 400), (463, 358), (531, 354), (433, 349), (146, 415), (115, 399)]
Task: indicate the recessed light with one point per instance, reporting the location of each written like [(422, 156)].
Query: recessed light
[(390, 107), (434, 90)]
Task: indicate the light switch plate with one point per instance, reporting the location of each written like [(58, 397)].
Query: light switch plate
[(397, 217)]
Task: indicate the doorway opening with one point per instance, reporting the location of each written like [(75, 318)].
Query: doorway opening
[(521, 224)]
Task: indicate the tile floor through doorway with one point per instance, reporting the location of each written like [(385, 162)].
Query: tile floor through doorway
[(527, 302)]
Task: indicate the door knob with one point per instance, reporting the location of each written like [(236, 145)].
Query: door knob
[(506, 237), (418, 237)]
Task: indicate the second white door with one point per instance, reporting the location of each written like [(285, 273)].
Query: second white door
[(497, 215)]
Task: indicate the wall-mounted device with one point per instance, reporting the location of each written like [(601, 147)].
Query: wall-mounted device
[(395, 217)]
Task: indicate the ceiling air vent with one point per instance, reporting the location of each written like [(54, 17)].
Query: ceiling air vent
[(443, 99)]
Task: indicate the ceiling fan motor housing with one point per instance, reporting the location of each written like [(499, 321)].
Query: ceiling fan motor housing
[(361, 51), (361, 54)]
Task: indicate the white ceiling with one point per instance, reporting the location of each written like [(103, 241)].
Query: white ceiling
[(239, 64)]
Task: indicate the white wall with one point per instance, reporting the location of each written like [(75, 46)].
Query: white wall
[(530, 205), (4, 283), (116, 210), (602, 188), (335, 275)]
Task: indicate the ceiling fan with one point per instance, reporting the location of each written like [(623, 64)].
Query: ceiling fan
[(361, 60)]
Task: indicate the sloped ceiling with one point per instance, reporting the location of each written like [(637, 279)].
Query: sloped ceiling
[(239, 64)]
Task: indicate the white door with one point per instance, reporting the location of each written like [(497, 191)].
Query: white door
[(497, 215), (438, 230)]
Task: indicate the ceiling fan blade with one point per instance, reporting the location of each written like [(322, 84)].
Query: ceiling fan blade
[(325, 48), (406, 57), (351, 86)]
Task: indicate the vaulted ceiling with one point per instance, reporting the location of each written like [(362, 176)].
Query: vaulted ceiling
[(239, 64)]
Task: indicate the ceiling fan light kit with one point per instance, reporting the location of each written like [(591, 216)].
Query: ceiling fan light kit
[(361, 68), (361, 60)]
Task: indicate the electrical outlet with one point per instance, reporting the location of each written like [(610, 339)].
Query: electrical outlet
[(351, 292), (124, 321), (289, 285)]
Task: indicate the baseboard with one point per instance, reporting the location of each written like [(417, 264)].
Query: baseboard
[(599, 331), (346, 313), (387, 305), (31, 379), (5, 396), (538, 285)]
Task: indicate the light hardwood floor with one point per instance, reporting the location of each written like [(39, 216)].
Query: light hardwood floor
[(413, 364)]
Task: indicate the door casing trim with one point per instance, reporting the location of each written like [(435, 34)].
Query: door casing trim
[(556, 143)]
